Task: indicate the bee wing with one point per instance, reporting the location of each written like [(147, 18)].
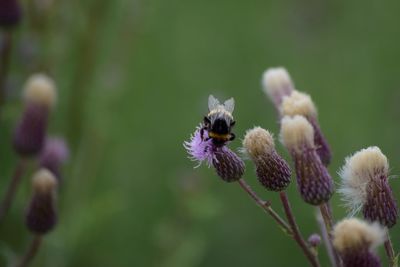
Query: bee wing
[(213, 103), (229, 105)]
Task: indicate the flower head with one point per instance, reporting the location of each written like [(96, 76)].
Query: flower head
[(229, 166), (272, 170), (199, 148), (30, 133), (355, 240), (313, 180), (41, 215), (365, 186), (298, 103), (276, 84), (40, 90)]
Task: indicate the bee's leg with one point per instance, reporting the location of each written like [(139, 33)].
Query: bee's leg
[(232, 137), (202, 133)]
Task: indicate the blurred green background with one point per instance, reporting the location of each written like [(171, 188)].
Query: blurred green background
[(133, 79)]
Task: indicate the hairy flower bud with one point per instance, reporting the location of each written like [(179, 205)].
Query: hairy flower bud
[(365, 186), (356, 240), (276, 83), (10, 13), (53, 155), (298, 103), (229, 166), (30, 133), (41, 215), (313, 180), (272, 170)]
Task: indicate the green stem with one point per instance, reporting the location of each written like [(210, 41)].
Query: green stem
[(12, 188), (31, 252)]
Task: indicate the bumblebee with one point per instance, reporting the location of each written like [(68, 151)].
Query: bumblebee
[(219, 121)]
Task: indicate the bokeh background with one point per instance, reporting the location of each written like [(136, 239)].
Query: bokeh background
[(133, 79)]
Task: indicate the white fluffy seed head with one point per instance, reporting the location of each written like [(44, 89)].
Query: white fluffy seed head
[(296, 132), (358, 170), (298, 103), (257, 142), (276, 83), (41, 90), (353, 233), (43, 181)]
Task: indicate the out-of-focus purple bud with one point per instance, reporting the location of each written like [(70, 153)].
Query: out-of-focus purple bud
[(10, 13), (41, 215), (314, 240), (30, 133), (53, 155)]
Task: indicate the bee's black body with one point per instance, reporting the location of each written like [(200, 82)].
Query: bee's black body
[(219, 121)]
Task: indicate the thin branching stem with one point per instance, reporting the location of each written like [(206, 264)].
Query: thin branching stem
[(5, 56), (328, 221), (12, 188), (325, 237), (296, 232), (31, 252), (266, 206)]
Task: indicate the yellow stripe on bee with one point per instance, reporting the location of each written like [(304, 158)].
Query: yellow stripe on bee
[(219, 136)]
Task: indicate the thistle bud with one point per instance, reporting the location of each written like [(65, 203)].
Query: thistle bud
[(39, 98), (41, 215), (356, 240), (365, 186), (301, 104), (276, 83), (313, 180), (272, 170), (10, 13), (229, 166), (314, 240), (53, 155)]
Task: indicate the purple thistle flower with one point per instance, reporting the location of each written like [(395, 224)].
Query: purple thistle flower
[(380, 204), (10, 13), (277, 84), (298, 103), (356, 241), (360, 258), (313, 180), (271, 169), (229, 166), (200, 149), (365, 186), (53, 155)]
